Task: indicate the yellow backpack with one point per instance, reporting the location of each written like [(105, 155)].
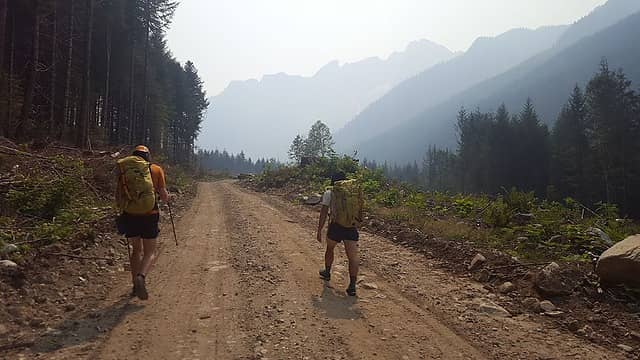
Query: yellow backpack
[(136, 194), (347, 203)]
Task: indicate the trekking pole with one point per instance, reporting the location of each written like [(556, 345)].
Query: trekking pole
[(172, 223)]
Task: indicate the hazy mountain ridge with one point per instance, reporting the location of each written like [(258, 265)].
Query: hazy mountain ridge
[(600, 18), (547, 78), (486, 58), (261, 117)]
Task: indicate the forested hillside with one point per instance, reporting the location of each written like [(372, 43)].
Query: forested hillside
[(261, 116), (486, 58), (93, 73), (547, 79)]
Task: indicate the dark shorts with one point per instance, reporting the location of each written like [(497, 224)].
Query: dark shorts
[(144, 226), (339, 233)]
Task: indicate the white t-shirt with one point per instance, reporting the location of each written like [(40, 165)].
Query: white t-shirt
[(326, 198)]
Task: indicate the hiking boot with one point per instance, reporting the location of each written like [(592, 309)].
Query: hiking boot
[(351, 290), (325, 275), (140, 287)]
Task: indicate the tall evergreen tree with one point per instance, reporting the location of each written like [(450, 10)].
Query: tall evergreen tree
[(531, 165), (501, 140), (297, 149), (613, 132), (570, 148)]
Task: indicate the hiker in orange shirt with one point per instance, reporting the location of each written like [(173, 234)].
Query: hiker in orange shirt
[(140, 184)]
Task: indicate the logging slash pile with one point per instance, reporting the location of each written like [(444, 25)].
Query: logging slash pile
[(53, 193), (57, 248)]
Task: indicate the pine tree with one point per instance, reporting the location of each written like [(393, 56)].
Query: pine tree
[(501, 151), (570, 148), (533, 151), (613, 132), (319, 142), (297, 149)]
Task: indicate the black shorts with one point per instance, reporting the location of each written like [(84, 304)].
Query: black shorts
[(339, 233), (144, 226)]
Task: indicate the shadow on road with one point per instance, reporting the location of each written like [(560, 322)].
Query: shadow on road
[(74, 331), (336, 304)]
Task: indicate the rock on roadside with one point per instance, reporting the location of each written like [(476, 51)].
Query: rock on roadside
[(477, 262), (492, 309), (9, 249), (507, 287), (547, 306), (532, 304), (625, 348), (369, 286), (8, 265), (314, 199), (549, 281), (601, 235), (620, 264)]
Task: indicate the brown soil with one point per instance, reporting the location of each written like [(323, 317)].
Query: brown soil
[(243, 284)]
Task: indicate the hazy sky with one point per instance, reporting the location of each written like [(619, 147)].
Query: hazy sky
[(243, 39)]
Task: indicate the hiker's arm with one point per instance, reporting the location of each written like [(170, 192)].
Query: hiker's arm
[(160, 183), (164, 194), (323, 219)]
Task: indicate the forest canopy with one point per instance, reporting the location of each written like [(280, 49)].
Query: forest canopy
[(96, 72)]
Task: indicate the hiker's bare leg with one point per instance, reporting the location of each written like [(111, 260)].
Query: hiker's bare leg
[(328, 254), (149, 246), (351, 248), (135, 262)]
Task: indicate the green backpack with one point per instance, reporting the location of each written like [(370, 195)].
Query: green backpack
[(347, 203), (136, 194)]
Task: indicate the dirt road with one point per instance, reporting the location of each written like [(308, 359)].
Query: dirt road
[(243, 284)]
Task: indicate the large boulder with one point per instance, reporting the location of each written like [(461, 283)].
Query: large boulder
[(621, 263)]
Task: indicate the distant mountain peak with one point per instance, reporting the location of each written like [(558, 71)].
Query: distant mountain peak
[(262, 117), (331, 67)]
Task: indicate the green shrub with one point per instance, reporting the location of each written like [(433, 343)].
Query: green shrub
[(498, 214), (371, 181), (389, 198), (179, 179), (416, 201), (463, 206), (43, 199), (277, 178), (520, 201)]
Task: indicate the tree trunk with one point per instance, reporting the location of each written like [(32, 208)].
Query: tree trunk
[(3, 26), (66, 117), (106, 112), (4, 121), (132, 95), (25, 117), (54, 65), (12, 52), (82, 135), (143, 137)]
